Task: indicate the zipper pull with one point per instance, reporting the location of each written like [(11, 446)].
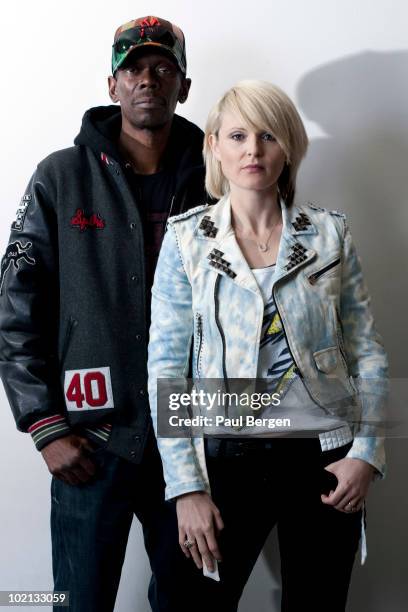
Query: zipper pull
[(314, 277)]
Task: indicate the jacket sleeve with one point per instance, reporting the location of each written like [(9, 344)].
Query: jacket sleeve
[(169, 352), (366, 358), (29, 318)]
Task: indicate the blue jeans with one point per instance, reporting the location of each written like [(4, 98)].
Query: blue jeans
[(90, 526)]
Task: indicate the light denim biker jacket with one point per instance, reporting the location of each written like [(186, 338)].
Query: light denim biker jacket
[(205, 291)]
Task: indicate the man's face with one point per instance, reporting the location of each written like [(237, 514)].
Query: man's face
[(148, 87)]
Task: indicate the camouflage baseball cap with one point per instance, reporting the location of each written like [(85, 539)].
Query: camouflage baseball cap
[(146, 31)]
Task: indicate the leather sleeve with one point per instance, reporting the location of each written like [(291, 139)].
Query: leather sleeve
[(29, 313)]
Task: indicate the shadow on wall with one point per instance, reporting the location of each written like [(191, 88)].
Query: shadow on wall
[(360, 167)]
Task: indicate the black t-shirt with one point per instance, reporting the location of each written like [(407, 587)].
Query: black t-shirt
[(153, 195)]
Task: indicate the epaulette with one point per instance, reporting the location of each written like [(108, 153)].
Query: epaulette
[(336, 213), (188, 213)]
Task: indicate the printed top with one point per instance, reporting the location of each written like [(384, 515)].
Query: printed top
[(278, 372)]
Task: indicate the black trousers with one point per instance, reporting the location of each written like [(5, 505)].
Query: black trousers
[(90, 525), (255, 488), (257, 485)]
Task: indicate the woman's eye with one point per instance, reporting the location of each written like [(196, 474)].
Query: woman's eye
[(268, 137), (237, 136)]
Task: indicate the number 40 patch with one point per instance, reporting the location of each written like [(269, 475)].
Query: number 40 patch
[(89, 389)]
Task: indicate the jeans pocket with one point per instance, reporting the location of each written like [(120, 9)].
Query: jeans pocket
[(328, 481)]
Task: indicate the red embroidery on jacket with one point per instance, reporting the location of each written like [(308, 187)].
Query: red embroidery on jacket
[(105, 159), (82, 222)]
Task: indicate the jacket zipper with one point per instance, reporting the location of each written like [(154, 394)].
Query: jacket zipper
[(340, 337), (297, 370), (200, 342), (219, 326), (313, 278), (339, 328)]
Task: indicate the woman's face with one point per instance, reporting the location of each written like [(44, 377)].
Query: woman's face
[(250, 160)]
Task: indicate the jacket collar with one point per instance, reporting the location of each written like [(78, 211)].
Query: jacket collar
[(224, 254)]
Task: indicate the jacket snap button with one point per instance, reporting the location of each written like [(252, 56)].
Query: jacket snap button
[(141, 391), (133, 453), (138, 337), (132, 225), (134, 277), (136, 438)]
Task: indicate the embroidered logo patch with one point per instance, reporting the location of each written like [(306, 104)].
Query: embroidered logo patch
[(106, 159), (16, 252), (89, 389), (82, 222), (21, 212)]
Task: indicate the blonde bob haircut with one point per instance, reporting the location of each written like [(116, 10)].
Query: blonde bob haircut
[(263, 107)]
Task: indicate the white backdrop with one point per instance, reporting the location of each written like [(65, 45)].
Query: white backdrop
[(346, 66)]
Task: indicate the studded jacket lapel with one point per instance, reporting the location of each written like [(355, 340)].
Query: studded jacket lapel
[(222, 252), (224, 255), (293, 251)]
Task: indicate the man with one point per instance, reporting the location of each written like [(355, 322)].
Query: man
[(75, 309)]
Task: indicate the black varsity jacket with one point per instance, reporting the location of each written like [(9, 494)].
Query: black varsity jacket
[(73, 332)]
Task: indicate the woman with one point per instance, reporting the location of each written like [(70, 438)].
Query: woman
[(271, 291)]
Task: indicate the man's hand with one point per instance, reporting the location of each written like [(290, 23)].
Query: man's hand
[(354, 477), (67, 459), (199, 521)]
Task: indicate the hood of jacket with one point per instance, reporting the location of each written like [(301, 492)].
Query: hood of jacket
[(100, 131)]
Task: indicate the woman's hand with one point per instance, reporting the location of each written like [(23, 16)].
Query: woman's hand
[(199, 521), (354, 477)]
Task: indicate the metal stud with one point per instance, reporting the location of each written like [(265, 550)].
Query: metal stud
[(297, 256), (217, 262), (208, 227), (301, 222)]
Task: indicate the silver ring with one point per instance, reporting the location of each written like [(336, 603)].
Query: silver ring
[(188, 544), (352, 508)]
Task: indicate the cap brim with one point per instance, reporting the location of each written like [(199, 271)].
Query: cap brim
[(158, 48)]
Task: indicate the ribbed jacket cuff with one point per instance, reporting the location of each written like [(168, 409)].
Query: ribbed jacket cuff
[(185, 487), (48, 429)]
